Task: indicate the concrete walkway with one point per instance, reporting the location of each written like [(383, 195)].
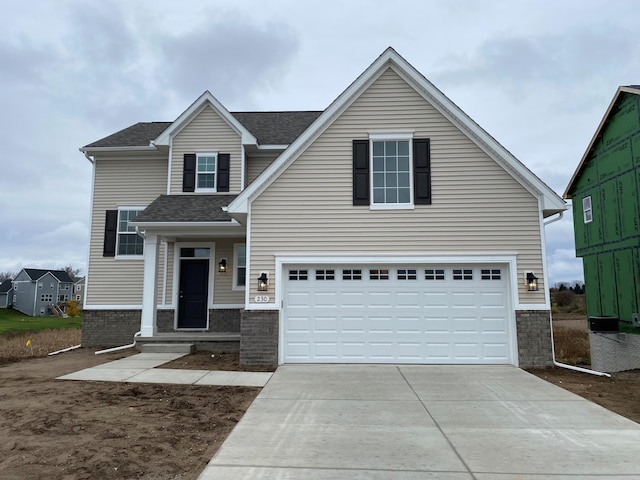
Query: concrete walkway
[(141, 368), (424, 422)]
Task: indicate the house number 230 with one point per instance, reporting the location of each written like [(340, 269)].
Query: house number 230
[(262, 299)]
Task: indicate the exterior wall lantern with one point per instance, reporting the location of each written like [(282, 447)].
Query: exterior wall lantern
[(263, 282), (222, 265), (532, 282)]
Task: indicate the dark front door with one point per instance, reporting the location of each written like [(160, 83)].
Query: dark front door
[(192, 296)]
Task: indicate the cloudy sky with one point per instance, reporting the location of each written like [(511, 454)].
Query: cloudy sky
[(537, 75)]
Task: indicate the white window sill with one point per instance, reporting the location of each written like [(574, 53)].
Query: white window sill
[(392, 206), (129, 257)]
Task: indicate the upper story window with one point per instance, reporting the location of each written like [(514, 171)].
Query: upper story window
[(206, 171), (391, 174), (392, 170), (587, 209), (128, 241)]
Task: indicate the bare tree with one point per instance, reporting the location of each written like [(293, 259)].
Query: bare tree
[(74, 273), (6, 276)]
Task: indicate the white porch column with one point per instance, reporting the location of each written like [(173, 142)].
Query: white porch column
[(148, 327)]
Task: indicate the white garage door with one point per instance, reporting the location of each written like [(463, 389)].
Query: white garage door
[(396, 314)]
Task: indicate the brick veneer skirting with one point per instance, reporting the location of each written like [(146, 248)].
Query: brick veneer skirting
[(109, 328), (614, 352), (534, 338), (259, 338)]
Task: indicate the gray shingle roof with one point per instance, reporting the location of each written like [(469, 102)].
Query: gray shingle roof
[(270, 128), (36, 273), (6, 286), (138, 135), (276, 128), (186, 208)]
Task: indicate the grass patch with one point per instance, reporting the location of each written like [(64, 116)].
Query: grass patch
[(572, 346), (15, 321)]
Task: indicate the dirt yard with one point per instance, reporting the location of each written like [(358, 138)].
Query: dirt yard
[(86, 430)]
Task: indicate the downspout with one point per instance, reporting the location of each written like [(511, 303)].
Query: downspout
[(122, 347), (553, 347)]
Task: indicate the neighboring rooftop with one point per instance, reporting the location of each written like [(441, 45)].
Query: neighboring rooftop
[(36, 273), (6, 285), (270, 128), (186, 208)]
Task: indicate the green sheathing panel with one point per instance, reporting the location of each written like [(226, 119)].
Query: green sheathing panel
[(591, 281), (626, 273), (607, 285), (610, 244)]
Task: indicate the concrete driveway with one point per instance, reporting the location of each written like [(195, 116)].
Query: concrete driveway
[(326, 422)]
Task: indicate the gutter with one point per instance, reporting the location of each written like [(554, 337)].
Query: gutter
[(553, 347)]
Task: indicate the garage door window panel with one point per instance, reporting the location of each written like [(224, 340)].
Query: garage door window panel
[(462, 274), (325, 274), (352, 274), (490, 274), (407, 274), (378, 274), (298, 274), (434, 274)]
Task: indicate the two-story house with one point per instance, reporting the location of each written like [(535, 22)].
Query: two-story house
[(35, 290), (388, 228)]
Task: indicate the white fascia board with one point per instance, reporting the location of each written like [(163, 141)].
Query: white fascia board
[(319, 125), (390, 58), (142, 225), (140, 148), (551, 200), (350, 258), (206, 99), (284, 146)]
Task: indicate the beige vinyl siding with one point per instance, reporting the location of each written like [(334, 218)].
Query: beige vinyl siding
[(207, 132), (256, 165), (477, 207), (223, 292), (133, 181)]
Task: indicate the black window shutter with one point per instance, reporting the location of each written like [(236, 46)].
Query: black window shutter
[(189, 173), (110, 232), (224, 161), (421, 171), (361, 172)]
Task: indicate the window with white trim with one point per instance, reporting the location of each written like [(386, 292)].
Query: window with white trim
[(391, 172), (206, 169), (239, 266), (78, 297), (46, 297), (129, 243), (587, 210)]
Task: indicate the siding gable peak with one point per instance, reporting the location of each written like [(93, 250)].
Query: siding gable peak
[(550, 203), (205, 100)]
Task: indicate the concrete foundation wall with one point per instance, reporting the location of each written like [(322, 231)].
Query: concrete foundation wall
[(259, 338), (534, 338), (614, 352)]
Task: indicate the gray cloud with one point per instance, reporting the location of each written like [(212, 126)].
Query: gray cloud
[(229, 58)]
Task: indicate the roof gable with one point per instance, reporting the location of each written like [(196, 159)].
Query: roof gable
[(206, 99), (550, 202), (632, 89), (6, 286), (37, 273)]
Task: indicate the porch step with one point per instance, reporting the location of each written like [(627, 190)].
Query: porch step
[(167, 348)]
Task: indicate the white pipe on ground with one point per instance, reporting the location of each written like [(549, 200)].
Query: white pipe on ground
[(553, 348), (123, 347), (65, 350)]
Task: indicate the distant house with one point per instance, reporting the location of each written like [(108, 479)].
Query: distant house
[(605, 190), (35, 289), (78, 291), (6, 293)]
